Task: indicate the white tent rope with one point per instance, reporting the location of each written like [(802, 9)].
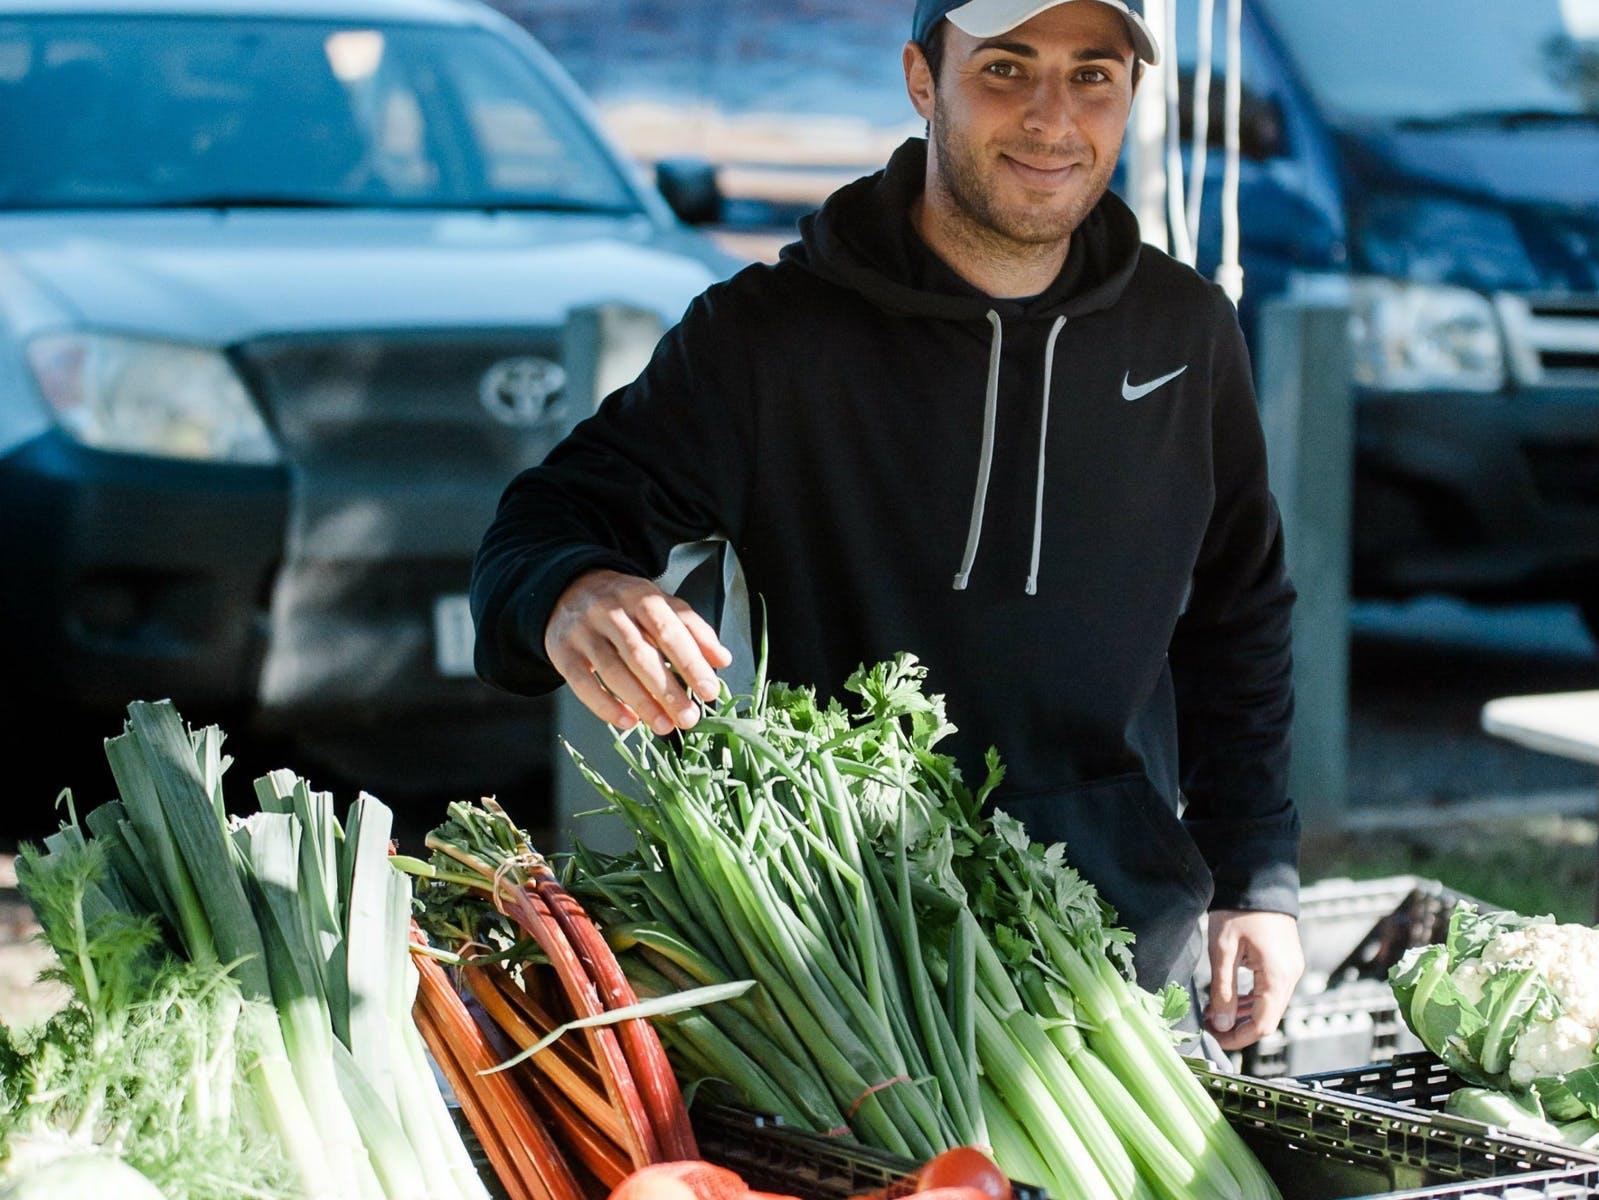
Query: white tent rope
[(1204, 67), (1230, 274)]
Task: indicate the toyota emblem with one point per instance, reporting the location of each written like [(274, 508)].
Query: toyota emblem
[(521, 391)]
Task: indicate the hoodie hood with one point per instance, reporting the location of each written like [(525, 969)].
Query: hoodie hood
[(862, 239)]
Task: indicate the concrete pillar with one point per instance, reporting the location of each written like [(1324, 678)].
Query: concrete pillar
[(605, 349), (1303, 350)]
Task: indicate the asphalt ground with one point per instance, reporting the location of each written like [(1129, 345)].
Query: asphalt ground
[(1420, 673)]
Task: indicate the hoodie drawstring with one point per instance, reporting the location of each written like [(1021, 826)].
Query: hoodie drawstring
[(1043, 438), (985, 460)]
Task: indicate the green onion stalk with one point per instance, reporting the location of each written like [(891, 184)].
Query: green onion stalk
[(926, 976)]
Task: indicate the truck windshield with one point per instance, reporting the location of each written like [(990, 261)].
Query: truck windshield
[(131, 112), (1445, 61)]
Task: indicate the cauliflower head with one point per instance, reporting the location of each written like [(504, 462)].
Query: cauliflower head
[(1566, 955), (1511, 1002)]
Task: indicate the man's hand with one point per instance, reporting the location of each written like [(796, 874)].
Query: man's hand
[(1268, 944), (611, 636)]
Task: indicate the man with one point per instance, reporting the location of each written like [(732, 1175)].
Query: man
[(1105, 602)]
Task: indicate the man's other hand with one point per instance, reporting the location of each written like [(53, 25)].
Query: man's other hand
[(622, 645), (1268, 944)]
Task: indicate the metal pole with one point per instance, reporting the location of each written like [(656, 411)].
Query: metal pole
[(1230, 274), (1182, 245)]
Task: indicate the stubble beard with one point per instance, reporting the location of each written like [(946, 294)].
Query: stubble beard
[(961, 176)]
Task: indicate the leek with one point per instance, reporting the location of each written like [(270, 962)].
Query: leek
[(305, 919)]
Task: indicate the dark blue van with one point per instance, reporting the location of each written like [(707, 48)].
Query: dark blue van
[(1445, 155)]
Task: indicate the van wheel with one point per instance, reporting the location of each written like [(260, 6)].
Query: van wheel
[(1590, 616)]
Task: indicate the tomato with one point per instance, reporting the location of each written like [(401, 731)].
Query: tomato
[(964, 1167), (950, 1193), (681, 1181), (643, 1185)]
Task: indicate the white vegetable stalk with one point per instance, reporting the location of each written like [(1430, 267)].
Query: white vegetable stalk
[(309, 921)]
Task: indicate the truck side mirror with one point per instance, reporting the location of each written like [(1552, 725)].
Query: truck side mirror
[(1260, 127), (690, 188)]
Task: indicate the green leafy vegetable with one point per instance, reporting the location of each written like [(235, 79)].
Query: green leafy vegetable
[(927, 975), (148, 1065)]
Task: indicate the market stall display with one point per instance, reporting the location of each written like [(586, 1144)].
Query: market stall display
[(900, 939), (826, 963), (1319, 1146)]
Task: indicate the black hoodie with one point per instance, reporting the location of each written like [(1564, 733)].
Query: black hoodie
[(1099, 591)]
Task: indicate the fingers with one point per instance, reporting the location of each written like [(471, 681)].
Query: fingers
[(1271, 1000), (587, 688), (664, 621), (710, 645), (1278, 963), (644, 663), (618, 677), (1222, 1012), (1243, 1033), (1268, 944), (638, 640)]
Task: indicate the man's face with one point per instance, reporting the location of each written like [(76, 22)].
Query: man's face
[(1027, 126)]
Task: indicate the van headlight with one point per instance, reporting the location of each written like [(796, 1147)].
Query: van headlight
[(142, 396), (1411, 337)]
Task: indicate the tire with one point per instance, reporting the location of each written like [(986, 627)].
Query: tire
[(1590, 616)]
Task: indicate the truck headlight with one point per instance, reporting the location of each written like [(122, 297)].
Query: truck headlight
[(1411, 337), (142, 396)]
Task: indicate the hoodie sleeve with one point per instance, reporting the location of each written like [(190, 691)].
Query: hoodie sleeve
[(664, 461), (1231, 661)]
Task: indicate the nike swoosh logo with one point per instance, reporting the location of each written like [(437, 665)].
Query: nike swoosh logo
[(1129, 392)]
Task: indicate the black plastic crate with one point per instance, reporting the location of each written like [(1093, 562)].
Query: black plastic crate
[(1343, 1010), (1324, 1145), (1548, 1185), (1412, 1080), (1317, 1145), (771, 1156)]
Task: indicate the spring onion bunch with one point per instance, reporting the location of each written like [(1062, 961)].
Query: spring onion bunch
[(927, 975)]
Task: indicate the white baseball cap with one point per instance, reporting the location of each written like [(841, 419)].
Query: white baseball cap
[(990, 18)]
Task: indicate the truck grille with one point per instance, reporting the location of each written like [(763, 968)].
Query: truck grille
[(416, 395), (399, 451), (1553, 341), (1565, 472)]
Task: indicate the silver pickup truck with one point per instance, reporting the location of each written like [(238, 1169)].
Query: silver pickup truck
[(283, 286)]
